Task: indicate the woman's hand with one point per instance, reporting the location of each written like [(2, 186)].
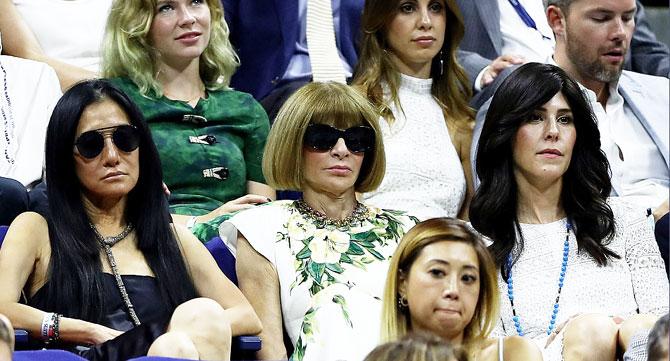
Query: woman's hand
[(100, 334), (237, 204)]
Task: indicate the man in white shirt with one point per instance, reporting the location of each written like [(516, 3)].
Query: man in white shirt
[(508, 32), (28, 92), (592, 39)]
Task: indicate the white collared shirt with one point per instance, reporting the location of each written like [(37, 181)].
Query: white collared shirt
[(639, 172), (518, 38)]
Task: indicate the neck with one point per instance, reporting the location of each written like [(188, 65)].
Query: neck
[(181, 82), (539, 203), (107, 215), (334, 206), (415, 70), (600, 88)]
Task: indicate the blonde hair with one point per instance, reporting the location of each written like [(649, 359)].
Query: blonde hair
[(451, 89), (417, 347), (128, 52), (328, 103), (396, 322)]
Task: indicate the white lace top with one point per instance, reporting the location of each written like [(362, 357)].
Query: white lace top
[(635, 283), (424, 176)]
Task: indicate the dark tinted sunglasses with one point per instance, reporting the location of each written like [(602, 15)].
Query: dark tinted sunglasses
[(125, 137), (324, 137)]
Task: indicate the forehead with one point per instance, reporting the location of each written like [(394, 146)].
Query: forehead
[(557, 102), (456, 253), (101, 114)]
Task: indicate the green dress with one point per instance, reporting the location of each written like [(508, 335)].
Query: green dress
[(208, 152)]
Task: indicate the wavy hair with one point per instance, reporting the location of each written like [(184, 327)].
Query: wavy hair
[(128, 52), (586, 182), (451, 89), (396, 323), (75, 270)]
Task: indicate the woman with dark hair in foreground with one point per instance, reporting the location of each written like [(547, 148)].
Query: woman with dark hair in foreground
[(579, 273), (107, 269)]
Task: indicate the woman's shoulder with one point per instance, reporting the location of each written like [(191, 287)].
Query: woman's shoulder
[(261, 214), (401, 219), (625, 212)]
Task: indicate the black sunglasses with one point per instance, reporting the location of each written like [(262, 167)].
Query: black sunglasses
[(323, 137), (125, 137)]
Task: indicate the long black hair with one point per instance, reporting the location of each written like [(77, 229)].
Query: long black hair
[(586, 183), (75, 270)]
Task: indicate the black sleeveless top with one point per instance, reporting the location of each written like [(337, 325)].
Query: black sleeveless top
[(144, 295)]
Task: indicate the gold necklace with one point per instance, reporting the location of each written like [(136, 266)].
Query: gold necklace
[(359, 214)]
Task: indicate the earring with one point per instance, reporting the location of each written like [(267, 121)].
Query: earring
[(441, 64), (402, 303)]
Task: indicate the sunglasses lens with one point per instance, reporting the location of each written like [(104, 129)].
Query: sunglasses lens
[(126, 138), (321, 137), (359, 139), (90, 144)]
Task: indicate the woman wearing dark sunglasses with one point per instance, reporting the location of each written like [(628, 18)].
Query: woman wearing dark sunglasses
[(174, 59), (106, 269), (408, 69), (316, 266)]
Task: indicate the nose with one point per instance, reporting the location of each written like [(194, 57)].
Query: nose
[(551, 131), (110, 155), (340, 149), (186, 17), (618, 29), (425, 21), (451, 290)]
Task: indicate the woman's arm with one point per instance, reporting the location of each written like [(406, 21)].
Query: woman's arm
[(210, 282), (260, 283), (25, 255), (18, 40), (258, 193)]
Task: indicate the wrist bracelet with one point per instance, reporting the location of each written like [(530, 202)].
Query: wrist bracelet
[(50, 327)]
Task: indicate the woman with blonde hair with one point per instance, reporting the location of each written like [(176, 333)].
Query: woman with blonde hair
[(442, 280), (408, 69), (174, 59), (315, 267)]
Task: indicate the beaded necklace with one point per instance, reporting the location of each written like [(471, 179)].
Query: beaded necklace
[(7, 118), (554, 312), (359, 214), (107, 243)]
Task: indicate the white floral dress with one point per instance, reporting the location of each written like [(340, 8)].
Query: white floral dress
[(331, 278)]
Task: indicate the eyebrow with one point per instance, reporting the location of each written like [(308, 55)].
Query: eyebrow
[(560, 110), (443, 262), (606, 11)]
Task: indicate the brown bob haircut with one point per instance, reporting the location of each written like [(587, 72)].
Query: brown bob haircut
[(330, 103)]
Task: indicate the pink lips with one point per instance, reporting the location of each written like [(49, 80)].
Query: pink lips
[(424, 40), (339, 170), (615, 55), (189, 36), (550, 153)]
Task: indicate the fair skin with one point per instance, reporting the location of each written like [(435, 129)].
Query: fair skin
[(592, 39), (498, 65), (18, 40), (329, 188), (442, 288), (542, 150), (25, 255), (416, 34), (180, 34), (609, 24)]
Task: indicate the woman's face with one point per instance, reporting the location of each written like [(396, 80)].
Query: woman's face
[(542, 147), (416, 34), (333, 171), (442, 289), (180, 30), (113, 173)]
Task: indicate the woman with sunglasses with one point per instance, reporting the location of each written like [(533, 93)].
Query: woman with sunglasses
[(408, 69), (316, 266), (105, 274), (174, 59), (579, 272)]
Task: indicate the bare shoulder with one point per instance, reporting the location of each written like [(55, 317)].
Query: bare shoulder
[(488, 350), (29, 228), (515, 348)]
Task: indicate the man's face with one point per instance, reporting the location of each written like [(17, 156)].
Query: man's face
[(597, 36)]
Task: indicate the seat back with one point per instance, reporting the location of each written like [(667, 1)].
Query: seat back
[(3, 232), (223, 257)]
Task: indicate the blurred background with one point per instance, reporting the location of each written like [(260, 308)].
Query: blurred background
[(658, 15)]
